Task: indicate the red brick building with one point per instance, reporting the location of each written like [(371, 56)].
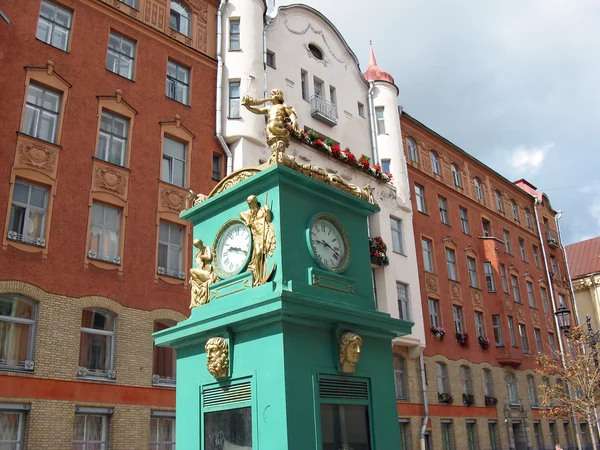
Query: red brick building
[(492, 273), (107, 122)]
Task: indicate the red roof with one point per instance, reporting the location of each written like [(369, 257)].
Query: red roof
[(375, 73), (584, 257)]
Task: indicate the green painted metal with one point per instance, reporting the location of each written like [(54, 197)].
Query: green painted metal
[(283, 335)]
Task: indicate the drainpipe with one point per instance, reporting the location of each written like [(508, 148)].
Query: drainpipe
[(372, 122), (219, 108), (560, 337), (267, 22), (425, 401)]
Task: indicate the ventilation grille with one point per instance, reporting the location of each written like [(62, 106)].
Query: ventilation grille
[(220, 396), (343, 388)]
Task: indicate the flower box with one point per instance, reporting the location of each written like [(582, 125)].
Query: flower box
[(444, 398), (490, 401), (438, 332), (462, 337), (483, 342), (468, 399), (378, 251)]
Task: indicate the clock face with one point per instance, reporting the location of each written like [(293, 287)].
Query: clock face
[(233, 248), (329, 243)]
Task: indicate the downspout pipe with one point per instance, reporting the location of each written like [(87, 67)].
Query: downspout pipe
[(219, 106), (425, 401), (557, 220), (267, 21), (372, 122)]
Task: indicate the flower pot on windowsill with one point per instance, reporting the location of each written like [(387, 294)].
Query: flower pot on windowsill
[(438, 332), (483, 342), (378, 250), (444, 398), (462, 338), (468, 399), (490, 401)]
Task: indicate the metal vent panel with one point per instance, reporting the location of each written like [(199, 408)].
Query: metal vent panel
[(343, 388), (219, 396)]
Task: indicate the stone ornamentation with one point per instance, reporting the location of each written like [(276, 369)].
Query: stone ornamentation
[(217, 357), (201, 276), (37, 156), (349, 352), (110, 180)]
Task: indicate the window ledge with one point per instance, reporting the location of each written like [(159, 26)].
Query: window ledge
[(54, 46), (107, 380), (17, 237), (119, 75), (422, 212), (10, 366), (234, 118), (185, 188), (399, 253), (116, 260), (177, 101), (95, 158), (53, 144), (232, 50)]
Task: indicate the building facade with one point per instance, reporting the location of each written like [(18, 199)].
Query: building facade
[(107, 122), (585, 277)]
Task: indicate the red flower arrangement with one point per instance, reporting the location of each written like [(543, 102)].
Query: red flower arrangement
[(378, 251), (490, 401), (463, 338)]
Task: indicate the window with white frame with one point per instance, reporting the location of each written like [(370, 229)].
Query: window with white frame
[(524, 340), (271, 59), (522, 249), (379, 110), (488, 384), (497, 327), (441, 375), (544, 294), (479, 328), (530, 295), (528, 220), (456, 176), (164, 359), (333, 97), (515, 210), (538, 340), (443, 204), (458, 318), (513, 391), (554, 266), (180, 17), (170, 250), (435, 163), (465, 380), (12, 428), (304, 84), (121, 55), (17, 331), (361, 109), (552, 344), (413, 152), (319, 87), (178, 82), (503, 277), (397, 237), (434, 312), (472, 266), (511, 330), (451, 264), (536, 257), (90, 432), (104, 233), (514, 281), (464, 221), (420, 198), (28, 212), (234, 100), (234, 34), (403, 301), (531, 387), (97, 343), (400, 378), (486, 226), (385, 165), (162, 430), (132, 3), (174, 161), (489, 276), (112, 141), (427, 247), (41, 112), (54, 25), (478, 189), (506, 235), (562, 301), (499, 202)]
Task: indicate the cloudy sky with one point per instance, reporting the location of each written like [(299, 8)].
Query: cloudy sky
[(513, 82)]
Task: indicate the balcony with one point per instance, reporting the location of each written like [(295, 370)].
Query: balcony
[(552, 238), (323, 110), (509, 356)]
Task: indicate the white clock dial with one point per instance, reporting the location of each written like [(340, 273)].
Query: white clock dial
[(328, 244), (233, 248)]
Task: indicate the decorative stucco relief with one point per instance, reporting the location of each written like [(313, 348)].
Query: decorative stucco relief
[(37, 156), (173, 199), (432, 284), (535, 316), (455, 292), (520, 312), (321, 34), (476, 296), (110, 179)]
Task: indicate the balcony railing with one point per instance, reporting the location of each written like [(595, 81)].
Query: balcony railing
[(552, 238), (323, 110)]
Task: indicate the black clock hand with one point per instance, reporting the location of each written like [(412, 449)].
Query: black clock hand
[(329, 246)]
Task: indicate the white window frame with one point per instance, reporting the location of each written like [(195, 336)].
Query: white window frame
[(456, 176), (443, 205), (530, 295), (380, 117), (552, 344), (532, 389), (512, 331), (403, 297), (536, 256), (104, 229), (497, 328), (486, 227), (522, 249), (420, 198), (122, 59), (304, 84), (19, 233), (441, 375), (544, 295), (514, 282), (513, 390), (457, 313), (435, 163), (158, 417), (36, 114), (176, 83), (506, 235), (515, 210), (55, 27), (451, 264), (271, 60), (472, 267), (235, 43), (478, 188), (479, 324), (28, 364), (104, 442), (464, 221), (524, 340), (385, 165), (427, 250), (182, 16), (434, 312), (528, 220), (489, 276), (504, 279), (465, 380), (86, 372), (170, 248), (397, 235), (413, 152), (499, 202), (488, 383), (234, 100), (16, 444), (400, 376), (170, 159), (539, 346), (107, 139)]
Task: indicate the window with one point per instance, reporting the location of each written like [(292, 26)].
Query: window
[(511, 330), (170, 249), (178, 82), (472, 266), (434, 312), (515, 288), (524, 340), (121, 54), (304, 84), (318, 85), (234, 100), (507, 242), (497, 326), (17, 328), (530, 296), (552, 345), (515, 210), (489, 276), (96, 347), (536, 257), (173, 162), (488, 385), (441, 374), (397, 238), (54, 25), (487, 227), (420, 197), (374, 286), (494, 438), (479, 324), (544, 298), (528, 218), (553, 438), (315, 51), (41, 113), (456, 176), (385, 165), (413, 152), (522, 249), (333, 97), (11, 429), (513, 391), (271, 59), (562, 301), (499, 202), (28, 214), (361, 109), (472, 438), (90, 431), (478, 189), (464, 221), (554, 265), (539, 437), (216, 167), (400, 378), (380, 120), (112, 141), (458, 318), (427, 254), (404, 426), (451, 264), (443, 204), (567, 431), (504, 280), (104, 233), (180, 17), (435, 163), (164, 359), (403, 301), (465, 380), (538, 340), (132, 3), (162, 431), (447, 436)]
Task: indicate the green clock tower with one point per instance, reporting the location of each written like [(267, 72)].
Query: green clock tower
[(284, 348)]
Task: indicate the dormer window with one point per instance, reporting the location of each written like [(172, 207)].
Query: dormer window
[(316, 51), (180, 17)]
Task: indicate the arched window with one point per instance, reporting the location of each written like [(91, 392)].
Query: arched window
[(163, 365), (400, 378), (513, 390), (97, 343), (413, 153), (528, 218), (441, 374), (499, 202), (478, 189), (17, 328), (465, 380), (533, 396), (180, 17), (515, 210), (435, 163), (456, 176)]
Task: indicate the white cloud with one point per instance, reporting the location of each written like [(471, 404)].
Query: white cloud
[(528, 160)]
